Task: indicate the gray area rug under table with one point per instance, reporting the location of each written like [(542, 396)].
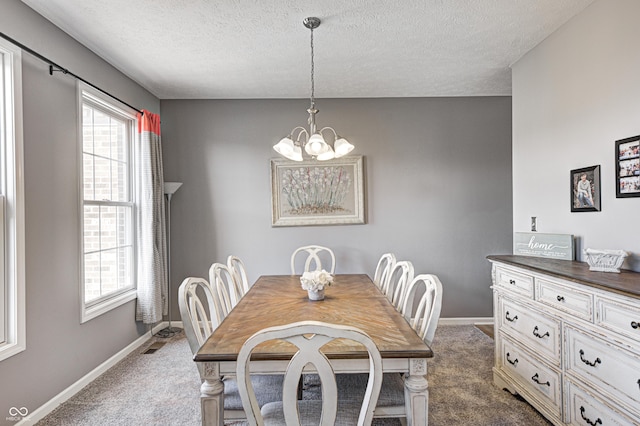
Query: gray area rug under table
[(163, 388)]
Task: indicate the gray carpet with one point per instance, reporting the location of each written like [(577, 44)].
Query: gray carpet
[(163, 388)]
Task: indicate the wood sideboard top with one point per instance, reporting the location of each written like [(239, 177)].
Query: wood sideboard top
[(626, 282)]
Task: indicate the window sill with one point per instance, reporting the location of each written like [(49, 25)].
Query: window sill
[(91, 312), (10, 349)]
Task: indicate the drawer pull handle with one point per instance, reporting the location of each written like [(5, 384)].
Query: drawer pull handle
[(587, 419), (538, 335), (515, 361), (510, 319), (512, 281), (537, 380), (560, 298), (634, 325), (586, 361)]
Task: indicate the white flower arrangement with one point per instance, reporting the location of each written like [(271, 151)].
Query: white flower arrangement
[(316, 280)]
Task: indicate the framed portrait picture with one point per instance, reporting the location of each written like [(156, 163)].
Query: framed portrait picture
[(585, 189), (628, 167), (317, 193)]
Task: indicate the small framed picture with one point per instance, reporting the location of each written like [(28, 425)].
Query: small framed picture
[(628, 167), (585, 189)]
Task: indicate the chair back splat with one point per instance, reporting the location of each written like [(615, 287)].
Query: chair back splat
[(399, 279), (383, 269), (317, 258), (227, 291), (423, 313), (309, 337), (239, 273)]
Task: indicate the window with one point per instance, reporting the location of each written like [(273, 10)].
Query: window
[(12, 288), (108, 248)]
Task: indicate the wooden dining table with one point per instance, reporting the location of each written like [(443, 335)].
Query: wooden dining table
[(352, 300)]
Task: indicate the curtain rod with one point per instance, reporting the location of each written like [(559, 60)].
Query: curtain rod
[(55, 67)]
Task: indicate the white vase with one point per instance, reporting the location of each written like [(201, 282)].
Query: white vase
[(316, 295)]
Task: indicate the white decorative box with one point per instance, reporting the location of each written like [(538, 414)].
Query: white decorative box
[(605, 260)]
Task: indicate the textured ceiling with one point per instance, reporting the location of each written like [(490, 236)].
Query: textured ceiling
[(205, 49)]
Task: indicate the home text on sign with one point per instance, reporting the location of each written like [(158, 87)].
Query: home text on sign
[(554, 246)]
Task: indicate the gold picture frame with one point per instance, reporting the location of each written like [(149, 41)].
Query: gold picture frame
[(310, 192)]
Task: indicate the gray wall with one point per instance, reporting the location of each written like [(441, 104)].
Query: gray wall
[(576, 106), (60, 350), (438, 187)]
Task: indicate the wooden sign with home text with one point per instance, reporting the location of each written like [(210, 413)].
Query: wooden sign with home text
[(554, 246)]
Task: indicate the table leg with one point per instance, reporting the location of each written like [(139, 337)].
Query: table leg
[(212, 395), (416, 393)]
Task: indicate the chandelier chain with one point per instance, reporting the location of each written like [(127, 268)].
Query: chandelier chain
[(312, 72)]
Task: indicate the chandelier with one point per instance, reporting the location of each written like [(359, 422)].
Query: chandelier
[(312, 140)]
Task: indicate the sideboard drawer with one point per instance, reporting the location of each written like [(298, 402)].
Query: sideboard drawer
[(537, 378), (566, 299), (620, 317), (585, 409), (540, 333), (606, 365), (514, 281)]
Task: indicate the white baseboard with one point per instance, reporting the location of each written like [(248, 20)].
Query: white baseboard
[(39, 413), (466, 321), (174, 324)]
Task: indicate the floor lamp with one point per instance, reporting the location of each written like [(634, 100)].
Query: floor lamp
[(169, 189)]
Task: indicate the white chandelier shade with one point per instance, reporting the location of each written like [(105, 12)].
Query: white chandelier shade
[(313, 140), (287, 148)]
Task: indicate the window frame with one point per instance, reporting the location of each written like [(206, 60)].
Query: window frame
[(100, 101), (12, 272)]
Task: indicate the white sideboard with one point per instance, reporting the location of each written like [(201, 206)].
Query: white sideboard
[(568, 339)]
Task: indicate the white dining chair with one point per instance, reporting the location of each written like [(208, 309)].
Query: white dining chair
[(226, 291), (317, 258), (198, 310), (422, 305), (383, 269), (421, 308), (399, 278), (309, 337), (239, 273)]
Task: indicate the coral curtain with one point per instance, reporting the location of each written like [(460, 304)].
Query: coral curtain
[(152, 277)]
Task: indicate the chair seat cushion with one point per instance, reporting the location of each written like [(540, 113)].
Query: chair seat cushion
[(268, 388), (310, 412), (352, 386)]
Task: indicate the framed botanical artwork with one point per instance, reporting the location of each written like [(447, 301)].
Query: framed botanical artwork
[(628, 167), (317, 193), (585, 189)]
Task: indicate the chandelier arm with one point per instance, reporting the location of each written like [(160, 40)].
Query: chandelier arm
[(296, 128), (302, 130), (335, 135)]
